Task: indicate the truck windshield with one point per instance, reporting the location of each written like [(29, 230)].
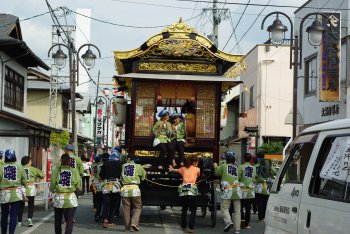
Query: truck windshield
[(297, 159)]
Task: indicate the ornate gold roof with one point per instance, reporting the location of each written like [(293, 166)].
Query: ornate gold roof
[(176, 40)]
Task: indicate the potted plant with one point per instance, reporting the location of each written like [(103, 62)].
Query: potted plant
[(273, 150)]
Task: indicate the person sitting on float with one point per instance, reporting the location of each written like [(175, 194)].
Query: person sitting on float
[(162, 131), (178, 138)]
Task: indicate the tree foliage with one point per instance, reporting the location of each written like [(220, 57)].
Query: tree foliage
[(273, 147)]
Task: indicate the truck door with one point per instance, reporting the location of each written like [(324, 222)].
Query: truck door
[(285, 195), (325, 207)]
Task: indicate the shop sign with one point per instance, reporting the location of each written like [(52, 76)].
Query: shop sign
[(99, 122), (330, 59)]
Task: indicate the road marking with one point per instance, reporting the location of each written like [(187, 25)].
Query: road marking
[(171, 228), (37, 225)]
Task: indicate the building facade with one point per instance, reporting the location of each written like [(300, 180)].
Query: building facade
[(259, 109), (318, 99)]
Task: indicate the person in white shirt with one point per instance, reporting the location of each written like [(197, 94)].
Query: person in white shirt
[(86, 175)]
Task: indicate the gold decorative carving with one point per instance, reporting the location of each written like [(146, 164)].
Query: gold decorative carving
[(153, 40), (204, 41), (127, 54), (179, 48), (128, 81), (183, 67), (179, 27), (237, 69), (229, 57)]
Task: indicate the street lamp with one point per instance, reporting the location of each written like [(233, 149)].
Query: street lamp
[(60, 61), (277, 35)]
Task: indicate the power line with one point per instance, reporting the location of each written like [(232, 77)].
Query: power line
[(157, 5), (124, 25), (234, 29), (260, 5), (251, 26)]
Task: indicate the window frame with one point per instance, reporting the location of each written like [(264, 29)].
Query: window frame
[(243, 108), (14, 89), (251, 97), (285, 166), (307, 79)]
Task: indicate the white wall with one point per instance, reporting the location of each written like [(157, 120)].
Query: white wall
[(268, 71)]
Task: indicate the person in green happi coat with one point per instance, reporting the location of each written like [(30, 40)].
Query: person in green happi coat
[(162, 132), (178, 137), (12, 190), (265, 171), (32, 173), (65, 181), (231, 191), (132, 175), (247, 178), (75, 161)]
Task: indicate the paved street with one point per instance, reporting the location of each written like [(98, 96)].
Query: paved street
[(152, 221)]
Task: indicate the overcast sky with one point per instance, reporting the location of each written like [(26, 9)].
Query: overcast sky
[(141, 13)]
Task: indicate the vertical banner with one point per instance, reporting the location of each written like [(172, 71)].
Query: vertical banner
[(48, 166), (330, 59), (99, 122)]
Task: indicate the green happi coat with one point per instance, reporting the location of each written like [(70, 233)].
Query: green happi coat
[(163, 132), (261, 186), (76, 163), (247, 179), (32, 173), (96, 180), (229, 181), (132, 175), (65, 180), (179, 133), (12, 182)]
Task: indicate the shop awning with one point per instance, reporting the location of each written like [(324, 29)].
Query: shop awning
[(179, 77)]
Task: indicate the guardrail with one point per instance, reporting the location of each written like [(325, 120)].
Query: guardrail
[(43, 193)]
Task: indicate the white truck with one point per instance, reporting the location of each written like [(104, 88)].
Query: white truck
[(311, 193)]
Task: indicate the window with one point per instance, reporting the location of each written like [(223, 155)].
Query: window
[(205, 115), (297, 160), (251, 97), (331, 175), (311, 74), (242, 102), (14, 89), (145, 107)]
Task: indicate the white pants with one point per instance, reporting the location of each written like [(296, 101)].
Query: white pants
[(225, 207)]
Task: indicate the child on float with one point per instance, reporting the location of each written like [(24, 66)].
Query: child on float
[(162, 132), (178, 137), (188, 191)]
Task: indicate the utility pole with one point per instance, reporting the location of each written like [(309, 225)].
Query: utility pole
[(218, 15), (216, 22)]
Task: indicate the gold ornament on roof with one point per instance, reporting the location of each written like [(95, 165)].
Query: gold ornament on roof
[(179, 27), (236, 70)]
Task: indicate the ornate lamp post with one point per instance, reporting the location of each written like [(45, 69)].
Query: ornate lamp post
[(60, 61), (277, 35)]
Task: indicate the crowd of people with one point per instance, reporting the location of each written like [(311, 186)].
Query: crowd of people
[(115, 182), (243, 187)]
